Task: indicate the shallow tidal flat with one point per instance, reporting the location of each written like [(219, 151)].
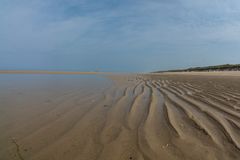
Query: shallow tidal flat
[(120, 117)]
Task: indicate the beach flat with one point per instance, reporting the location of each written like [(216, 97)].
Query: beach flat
[(170, 116)]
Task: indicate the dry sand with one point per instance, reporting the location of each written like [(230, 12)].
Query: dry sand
[(120, 117)]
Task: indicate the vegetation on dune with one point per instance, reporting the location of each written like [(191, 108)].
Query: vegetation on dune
[(225, 67)]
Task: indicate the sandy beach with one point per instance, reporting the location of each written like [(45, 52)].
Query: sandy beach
[(169, 116)]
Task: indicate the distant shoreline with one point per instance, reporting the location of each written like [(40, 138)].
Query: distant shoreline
[(44, 72), (200, 73), (217, 68)]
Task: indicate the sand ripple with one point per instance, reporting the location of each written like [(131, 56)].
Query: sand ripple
[(143, 117)]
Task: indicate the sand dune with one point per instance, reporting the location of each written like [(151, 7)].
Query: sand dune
[(137, 117)]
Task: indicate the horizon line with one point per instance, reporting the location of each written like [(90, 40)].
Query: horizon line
[(58, 72)]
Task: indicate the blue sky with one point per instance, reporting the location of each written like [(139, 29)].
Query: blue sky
[(121, 36)]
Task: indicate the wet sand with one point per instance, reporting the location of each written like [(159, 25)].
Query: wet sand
[(120, 117)]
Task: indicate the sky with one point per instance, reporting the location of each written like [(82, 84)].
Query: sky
[(118, 35)]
